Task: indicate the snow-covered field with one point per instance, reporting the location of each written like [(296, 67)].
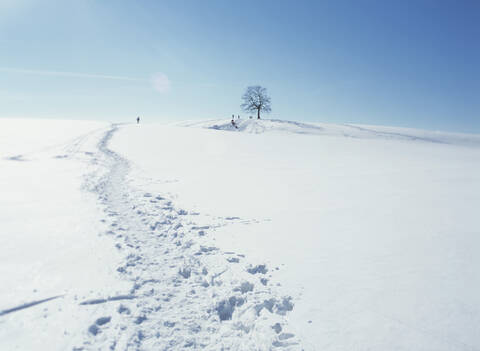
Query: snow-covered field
[(272, 235), (50, 247)]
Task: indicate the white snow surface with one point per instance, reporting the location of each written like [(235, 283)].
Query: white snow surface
[(274, 235), (255, 126), (49, 233)]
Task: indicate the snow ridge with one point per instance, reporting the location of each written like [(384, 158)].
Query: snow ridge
[(185, 293), (255, 126)]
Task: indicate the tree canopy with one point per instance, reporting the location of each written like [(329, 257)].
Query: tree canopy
[(256, 99)]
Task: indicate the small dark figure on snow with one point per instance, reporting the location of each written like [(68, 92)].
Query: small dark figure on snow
[(234, 124), (138, 120)]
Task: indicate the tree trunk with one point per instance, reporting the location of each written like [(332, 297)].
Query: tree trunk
[(258, 113)]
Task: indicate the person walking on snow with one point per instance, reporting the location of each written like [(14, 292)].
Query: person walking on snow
[(138, 120)]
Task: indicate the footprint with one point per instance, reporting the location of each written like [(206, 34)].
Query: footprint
[(123, 309), (140, 319), (185, 272), (225, 308), (277, 327), (285, 336), (93, 329), (261, 268), (102, 320), (244, 287)]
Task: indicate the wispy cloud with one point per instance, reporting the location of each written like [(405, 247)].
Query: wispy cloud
[(68, 74)]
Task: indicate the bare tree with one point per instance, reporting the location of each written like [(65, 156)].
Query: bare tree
[(256, 99)]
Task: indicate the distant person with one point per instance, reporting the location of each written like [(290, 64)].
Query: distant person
[(233, 123), (138, 120), (238, 117)]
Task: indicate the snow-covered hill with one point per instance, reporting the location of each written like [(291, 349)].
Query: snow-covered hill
[(347, 130), (308, 237), (256, 126)]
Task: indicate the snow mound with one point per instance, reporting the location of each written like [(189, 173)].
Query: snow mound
[(255, 126)]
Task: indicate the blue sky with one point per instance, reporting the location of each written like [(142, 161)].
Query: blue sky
[(402, 63)]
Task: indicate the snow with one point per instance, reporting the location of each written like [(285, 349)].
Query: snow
[(374, 234), (346, 130), (271, 235), (49, 243)]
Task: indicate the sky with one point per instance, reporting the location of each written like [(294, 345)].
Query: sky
[(400, 63)]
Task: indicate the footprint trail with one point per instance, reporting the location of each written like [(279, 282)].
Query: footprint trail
[(185, 292)]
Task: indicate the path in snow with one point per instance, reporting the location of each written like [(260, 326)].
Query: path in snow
[(184, 291)]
